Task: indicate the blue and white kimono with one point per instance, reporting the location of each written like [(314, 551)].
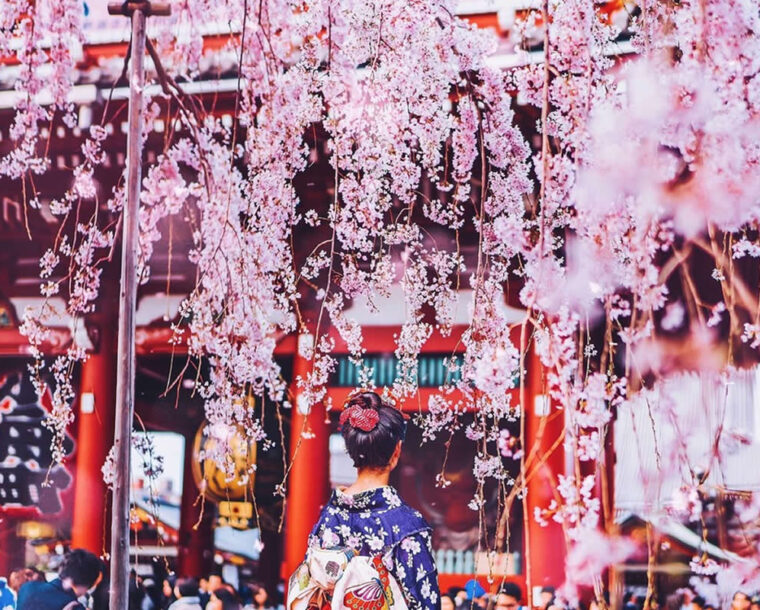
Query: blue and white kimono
[(378, 522), (7, 596)]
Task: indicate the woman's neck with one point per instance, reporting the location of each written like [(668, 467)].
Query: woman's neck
[(368, 479)]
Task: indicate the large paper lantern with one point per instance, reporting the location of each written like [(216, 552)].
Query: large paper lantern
[(234, 481)]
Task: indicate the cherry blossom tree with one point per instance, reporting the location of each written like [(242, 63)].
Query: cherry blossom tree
[(640, 188)]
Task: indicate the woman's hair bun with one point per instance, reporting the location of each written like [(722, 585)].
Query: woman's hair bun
[(371, 428)]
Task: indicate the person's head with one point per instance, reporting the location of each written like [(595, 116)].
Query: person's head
[(698, 603), (447, 603), (259, 594), (80, 571), (34, 574), (186, 587), (740, 601), (223, 599), (17, 578), (215, 581), (373, 431), (458, 594), (547, 596), (508, 597), (167, 587)]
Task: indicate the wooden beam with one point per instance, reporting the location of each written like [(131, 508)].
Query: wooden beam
[(147, 8)]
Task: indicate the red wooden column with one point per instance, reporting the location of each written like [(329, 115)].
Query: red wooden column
[(11, 546), (545, 546), (196, 545), (309, 481), (97, 391)]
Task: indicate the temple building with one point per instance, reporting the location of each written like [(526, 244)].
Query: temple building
[(189, 520)]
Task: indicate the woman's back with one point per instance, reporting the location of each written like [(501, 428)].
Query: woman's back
[(378, 523), (374, 521), (370, 522)]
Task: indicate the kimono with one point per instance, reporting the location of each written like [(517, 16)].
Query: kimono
[(378, 522)]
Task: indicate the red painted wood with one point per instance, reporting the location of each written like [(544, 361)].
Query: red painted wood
[(196, 545), (414, 404), (93, 441), (309, 481), (13, 343), (546, 556), (155, 339), (11, 546)]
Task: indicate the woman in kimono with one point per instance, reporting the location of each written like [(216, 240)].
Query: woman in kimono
[(369, 516)]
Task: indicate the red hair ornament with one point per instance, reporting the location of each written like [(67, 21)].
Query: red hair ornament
[(363, 419)]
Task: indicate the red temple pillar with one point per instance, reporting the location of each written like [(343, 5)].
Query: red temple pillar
[(97, 392), (309, 481), (544, 426), (196, 544), (11, 546)]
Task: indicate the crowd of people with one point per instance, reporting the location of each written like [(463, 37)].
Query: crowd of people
[(82, 584), (509, 597), (687, 599), (473, 596), (211, 593)]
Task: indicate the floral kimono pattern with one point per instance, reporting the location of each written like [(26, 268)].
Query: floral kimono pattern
[(378, 522)]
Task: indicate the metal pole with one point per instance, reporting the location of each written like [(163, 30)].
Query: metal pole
[(125, 374)]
